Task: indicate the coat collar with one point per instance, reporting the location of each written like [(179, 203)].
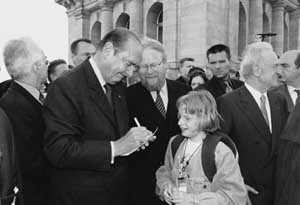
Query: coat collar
[(97, 93), (253, 113)]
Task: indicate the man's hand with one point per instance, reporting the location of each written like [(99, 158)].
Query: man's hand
[(135, 138)]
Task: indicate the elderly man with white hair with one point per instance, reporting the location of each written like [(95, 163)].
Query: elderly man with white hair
[(254, 118), (26, 63)]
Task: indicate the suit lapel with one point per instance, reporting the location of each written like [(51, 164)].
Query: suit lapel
[(288, 98), (253, 113), (171, 107), (275, 119), (149, 107), (18, 88), (120, 107), (97, 94)]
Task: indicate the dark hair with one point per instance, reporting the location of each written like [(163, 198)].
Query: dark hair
[(185, 59), (196, 71), (52, 65), (74, 44), (297, 61), (217, 49), (118, 37)]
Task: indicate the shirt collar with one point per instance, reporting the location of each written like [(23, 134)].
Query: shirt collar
[(97, 71), (32, 90), (255, 93)]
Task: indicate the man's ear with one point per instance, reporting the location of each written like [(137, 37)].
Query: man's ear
[(108, 49), (35, 67)]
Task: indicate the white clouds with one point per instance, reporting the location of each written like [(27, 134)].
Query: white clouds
[(43, 20)]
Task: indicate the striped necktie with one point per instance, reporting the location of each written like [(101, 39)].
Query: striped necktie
[(160, 105)]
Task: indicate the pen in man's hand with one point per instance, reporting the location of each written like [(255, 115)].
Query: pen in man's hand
[(137, 122)]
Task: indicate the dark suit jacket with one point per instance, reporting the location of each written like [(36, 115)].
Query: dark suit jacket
[(283, 90), (8, 167), (217, 87), (288, 163), (4, 86), (25, 114), (79, 127), (257, 147), (143, 164), (182, 80)]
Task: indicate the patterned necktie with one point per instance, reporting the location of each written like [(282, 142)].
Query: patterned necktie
[(160, 105), (41, 98), (264, 109), (108, 94), (298, 94)]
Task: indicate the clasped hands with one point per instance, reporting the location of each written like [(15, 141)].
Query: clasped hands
[(135, 139), (173, 195)]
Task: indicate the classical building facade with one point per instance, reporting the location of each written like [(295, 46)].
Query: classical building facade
[(188, 27)]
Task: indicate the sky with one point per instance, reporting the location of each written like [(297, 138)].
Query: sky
[(44, 21)]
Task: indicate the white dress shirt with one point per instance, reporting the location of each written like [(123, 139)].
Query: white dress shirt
[(256, 95), (292, 92)]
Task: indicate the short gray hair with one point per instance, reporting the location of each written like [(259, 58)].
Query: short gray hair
[(18, 57), (253, 56), (149, 43)]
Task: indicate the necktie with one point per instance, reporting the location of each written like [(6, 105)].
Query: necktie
[(41, 98), (298, 94), (108, 94), (160, 105), (264, 109)]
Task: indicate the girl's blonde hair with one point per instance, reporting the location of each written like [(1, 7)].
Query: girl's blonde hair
[(202, 104)]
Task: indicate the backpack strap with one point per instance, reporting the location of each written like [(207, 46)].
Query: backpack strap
[(208, 152), (176, 143)]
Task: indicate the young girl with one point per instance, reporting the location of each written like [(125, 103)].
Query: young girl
[(182, 179)]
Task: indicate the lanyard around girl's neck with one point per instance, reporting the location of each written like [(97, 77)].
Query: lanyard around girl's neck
[(184, 161)]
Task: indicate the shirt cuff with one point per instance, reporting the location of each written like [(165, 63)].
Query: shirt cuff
[(112, 152)]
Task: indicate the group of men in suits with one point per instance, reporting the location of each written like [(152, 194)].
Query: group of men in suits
[(79, 148)]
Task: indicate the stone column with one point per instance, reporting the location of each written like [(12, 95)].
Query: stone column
[(136, 19), (82, 18), (295, 29), (278, 27), (106, 17), (255, 19)]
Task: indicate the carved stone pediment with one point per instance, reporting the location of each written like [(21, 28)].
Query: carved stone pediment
[(69, 4)]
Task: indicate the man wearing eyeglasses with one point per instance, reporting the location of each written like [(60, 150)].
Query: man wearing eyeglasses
[(87, 138), (26, 64), (153, 103)]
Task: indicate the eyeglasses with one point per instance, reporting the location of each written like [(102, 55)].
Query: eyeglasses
[(152, 65)]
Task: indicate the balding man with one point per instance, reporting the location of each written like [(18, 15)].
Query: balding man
[(27, 64), (87, 138), (289, 75), (254, 119)]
